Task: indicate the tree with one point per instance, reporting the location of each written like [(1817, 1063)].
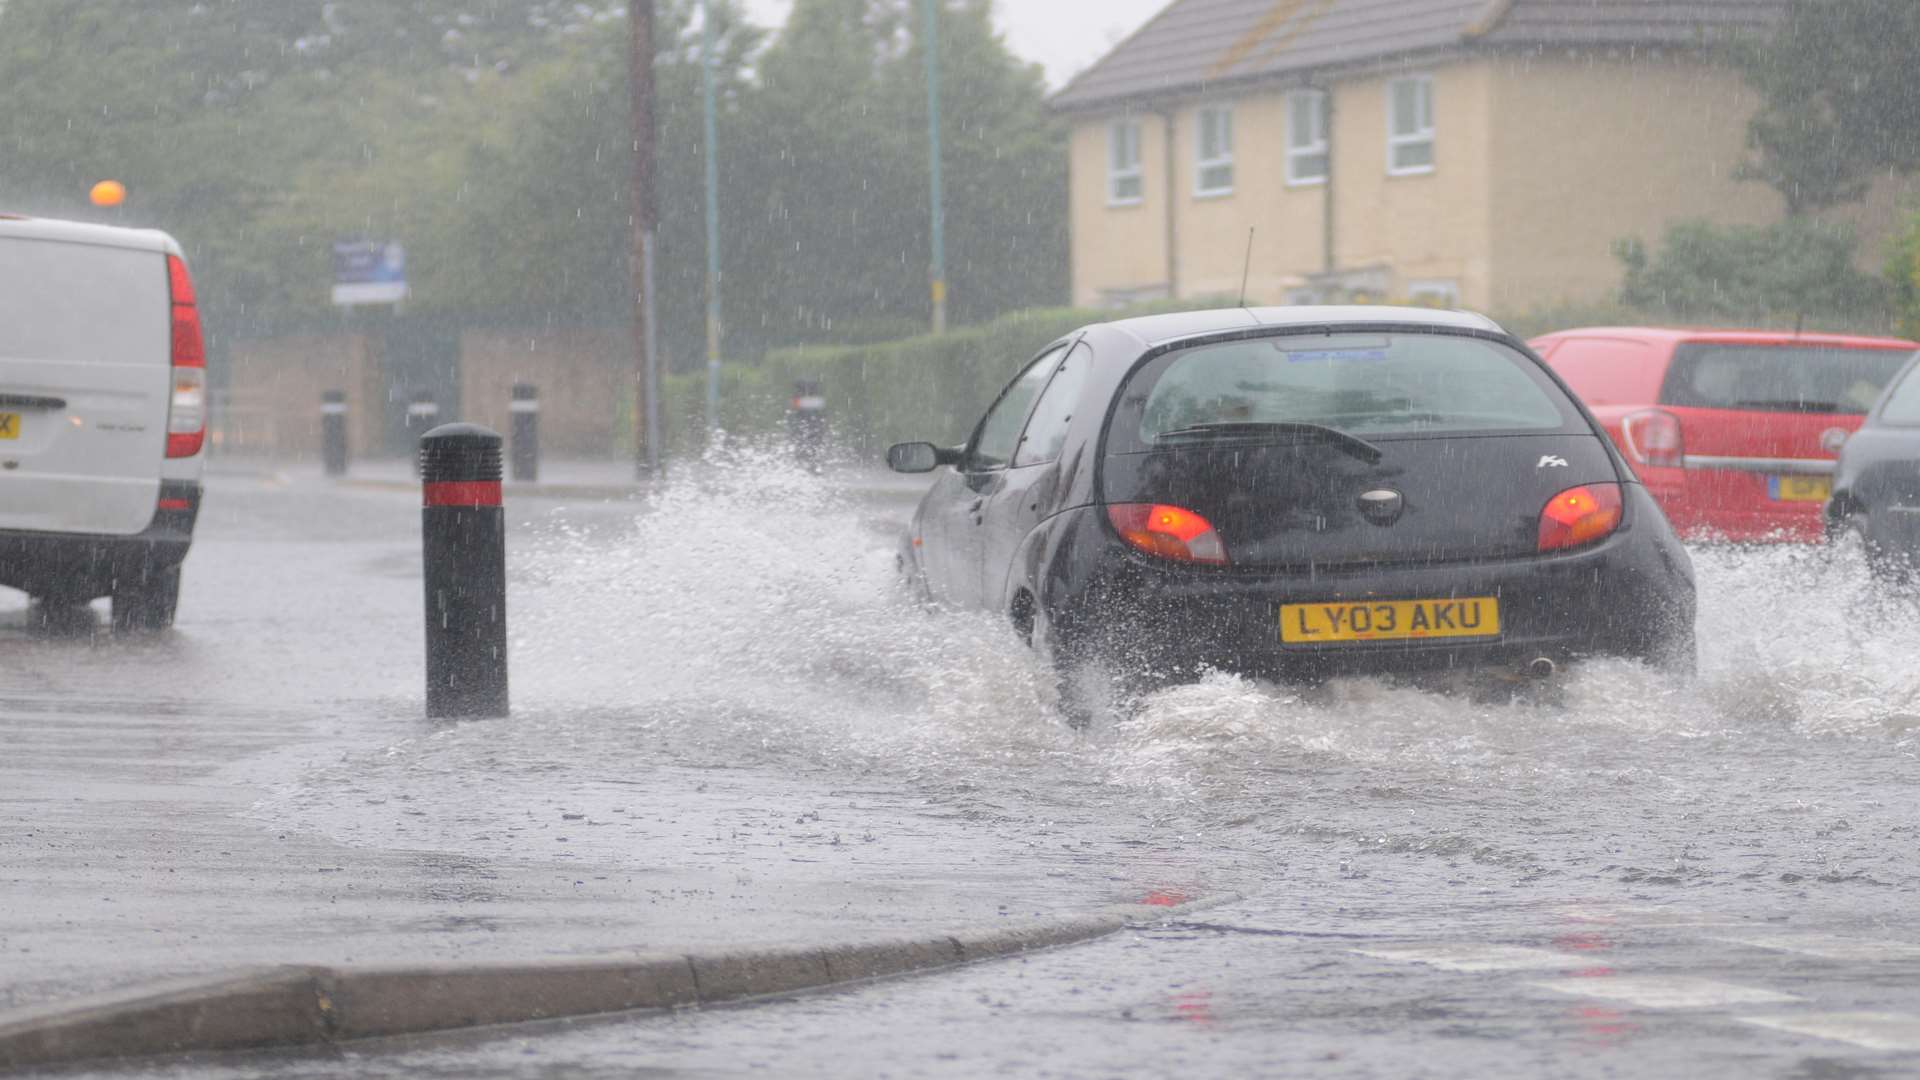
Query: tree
[(1743, 272), (490, 137), (1840, 99), (1903, 276)]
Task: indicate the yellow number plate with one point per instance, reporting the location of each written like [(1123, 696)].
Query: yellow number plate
[(1389, 620), (1800, 488), (9, 425)]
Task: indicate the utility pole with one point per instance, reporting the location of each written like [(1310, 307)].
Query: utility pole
[(713, 221), (938, 272), (646, 360)]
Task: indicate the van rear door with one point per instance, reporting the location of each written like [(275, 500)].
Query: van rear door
[(85, 373)]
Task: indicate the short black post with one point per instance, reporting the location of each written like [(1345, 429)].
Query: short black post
[(525, 408), (423, 414), (333, 432), (464, 534)]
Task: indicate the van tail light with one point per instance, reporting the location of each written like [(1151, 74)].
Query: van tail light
[(1653, 438), (187, 396), (1579, 516), (1170, 532)]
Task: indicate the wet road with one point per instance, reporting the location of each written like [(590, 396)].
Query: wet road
[(1623, 876)]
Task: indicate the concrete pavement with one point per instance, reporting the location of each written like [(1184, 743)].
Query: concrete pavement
[(202, 801)]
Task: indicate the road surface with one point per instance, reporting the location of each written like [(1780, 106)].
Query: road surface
[(730, 728)]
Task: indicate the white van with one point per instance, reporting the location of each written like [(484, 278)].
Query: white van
[(103, 416)]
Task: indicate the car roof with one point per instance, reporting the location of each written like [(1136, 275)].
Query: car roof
[(1175, 326), (83, 232), (1674, 335)]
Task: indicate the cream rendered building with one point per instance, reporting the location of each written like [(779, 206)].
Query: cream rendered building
[(1477, 153)]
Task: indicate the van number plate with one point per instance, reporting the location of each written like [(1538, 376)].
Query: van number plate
[(9, 425), (1389, 620)]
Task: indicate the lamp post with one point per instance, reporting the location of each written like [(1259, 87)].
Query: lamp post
[(713, 220), (646, 357), (937, 276)]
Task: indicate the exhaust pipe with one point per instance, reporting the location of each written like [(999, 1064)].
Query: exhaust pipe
[(1542, 668)]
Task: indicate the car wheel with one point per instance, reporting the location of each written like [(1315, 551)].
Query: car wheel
[(147, 606), (60, 615), (913, 583), (1679, 656), (1856, 531), (1092, 686)]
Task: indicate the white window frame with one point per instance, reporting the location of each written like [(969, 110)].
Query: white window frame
[(1117, 175), (1202, 163), (1421, 134), (1316, 146)]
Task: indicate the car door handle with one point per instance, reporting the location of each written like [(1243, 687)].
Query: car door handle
[(31, 401)]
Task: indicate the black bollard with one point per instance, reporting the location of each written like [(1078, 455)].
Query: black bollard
[(464, 532), (525, 408), (333, 432), (423, 414)]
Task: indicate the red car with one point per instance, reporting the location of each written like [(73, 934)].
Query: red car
[(1734, 432)]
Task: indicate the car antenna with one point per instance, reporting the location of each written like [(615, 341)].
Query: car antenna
[(1246, 268)]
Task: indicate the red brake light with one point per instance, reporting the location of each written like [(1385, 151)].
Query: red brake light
[(189, 350), (1170, 532), (179, 281), (1579, 516), (187, 393), (1653, 438)]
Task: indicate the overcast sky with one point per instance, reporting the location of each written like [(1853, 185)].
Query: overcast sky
[(1065, 35)]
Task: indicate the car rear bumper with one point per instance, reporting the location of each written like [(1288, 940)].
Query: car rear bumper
[(80, 567), (1732, 506), (1631, 595)]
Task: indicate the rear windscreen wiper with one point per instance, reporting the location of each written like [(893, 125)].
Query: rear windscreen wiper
[(1792, 405), (1274, 432)]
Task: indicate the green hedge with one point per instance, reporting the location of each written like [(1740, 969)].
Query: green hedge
[(928, 387), (935, 388)]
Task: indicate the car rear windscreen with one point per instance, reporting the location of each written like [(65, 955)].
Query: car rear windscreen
[(1367, 384), (1779, 378), (82, 303)]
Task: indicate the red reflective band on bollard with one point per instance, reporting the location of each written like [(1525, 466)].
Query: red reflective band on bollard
[(462, 493)]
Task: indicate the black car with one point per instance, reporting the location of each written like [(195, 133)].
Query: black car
[(1876, 488), (1295, 493)]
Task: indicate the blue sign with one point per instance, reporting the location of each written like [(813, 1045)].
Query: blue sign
[(369, 272)]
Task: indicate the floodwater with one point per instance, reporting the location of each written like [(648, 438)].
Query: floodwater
[(748, 617), (729, 666)]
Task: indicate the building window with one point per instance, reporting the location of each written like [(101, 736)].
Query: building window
[(1125, 184), (1307, 137), (1213, 172), (1410, 126)]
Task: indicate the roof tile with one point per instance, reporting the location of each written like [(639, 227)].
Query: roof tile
[(1196, 43)]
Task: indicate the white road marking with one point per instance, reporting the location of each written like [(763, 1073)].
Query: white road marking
[(1875, 1031), (1828, 947), (1473, 957), (1665, 991), (1649, 916)]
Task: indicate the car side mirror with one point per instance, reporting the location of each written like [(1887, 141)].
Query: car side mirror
[(920, 457)]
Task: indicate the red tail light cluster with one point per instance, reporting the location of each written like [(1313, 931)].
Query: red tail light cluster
[(1579, 516), (1653, 438), (1170, 532), (187, 404)]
